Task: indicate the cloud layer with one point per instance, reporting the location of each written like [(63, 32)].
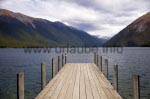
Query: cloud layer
[(97, 17)]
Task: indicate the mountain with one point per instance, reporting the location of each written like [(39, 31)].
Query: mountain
[(102, 39), (135, 34), (18, 30)]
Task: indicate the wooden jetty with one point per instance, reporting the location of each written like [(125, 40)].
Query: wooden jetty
[(79, 81)]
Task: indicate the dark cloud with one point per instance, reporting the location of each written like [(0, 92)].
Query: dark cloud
[(84, 26), (104, 17)]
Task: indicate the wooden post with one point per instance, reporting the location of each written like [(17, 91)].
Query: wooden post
[(101, 63), (65, 58), (106, 68), (95, 58), (43, 75), (58, 63), (20, 85), (98, 61), (116, 77), (53, 67), (136, 92), (62, 60)]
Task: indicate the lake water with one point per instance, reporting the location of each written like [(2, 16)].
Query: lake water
[(130, 61)]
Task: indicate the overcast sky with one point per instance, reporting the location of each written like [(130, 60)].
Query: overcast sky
[(97, 17)]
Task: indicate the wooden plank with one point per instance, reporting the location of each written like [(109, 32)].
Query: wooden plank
[(107, 87), (77, 83), (104, 86), (110, 87), (102, 77), (69, 93), (51, 85), (93, 86), (62, 83), (66, 84), (89, 93), (98, 85), (82, 84)]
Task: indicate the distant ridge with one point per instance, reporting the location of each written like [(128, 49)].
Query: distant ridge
[(18, 30), (103, 39), (135, 34)]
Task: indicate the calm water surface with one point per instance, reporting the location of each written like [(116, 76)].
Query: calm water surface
[(12, 61)]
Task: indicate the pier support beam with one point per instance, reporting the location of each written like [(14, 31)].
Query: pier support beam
[(43, 75), (65, 58), (20, 85), (59, 65), (106, 68), (101, 63), (136, 92), (53, 67), (62, 60), (98, 60), (95, 58), (116, 77)]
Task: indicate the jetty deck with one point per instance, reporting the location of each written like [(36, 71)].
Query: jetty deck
[(79, 81)]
